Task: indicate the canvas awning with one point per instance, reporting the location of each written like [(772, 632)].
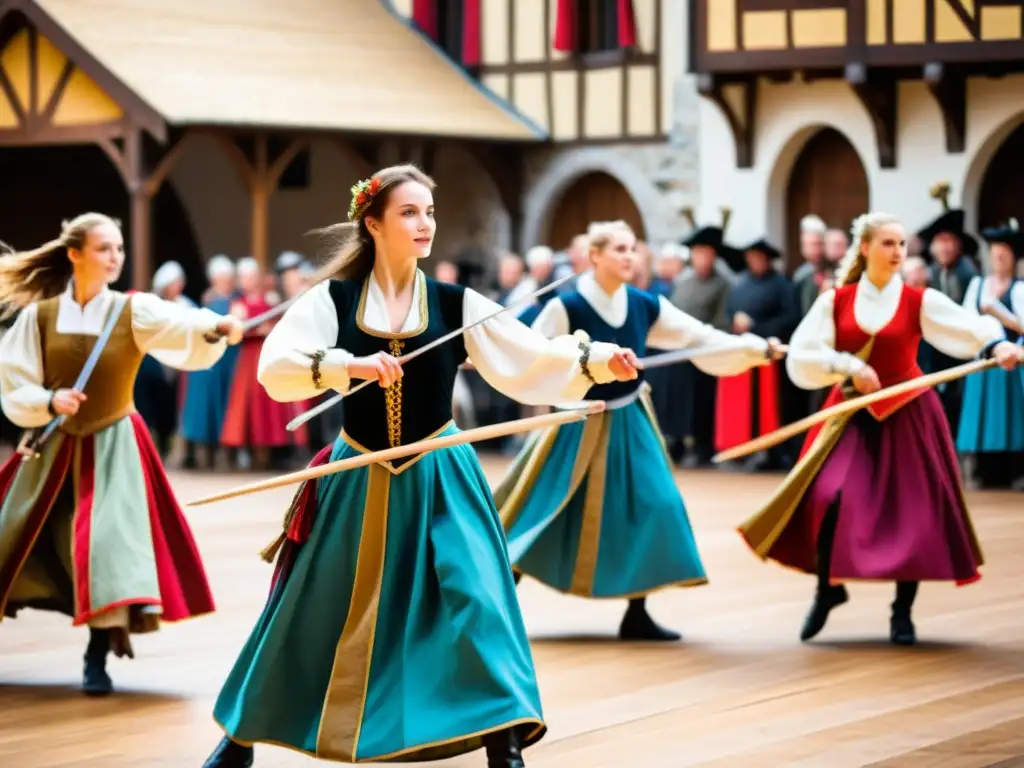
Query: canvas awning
[(347, 65)]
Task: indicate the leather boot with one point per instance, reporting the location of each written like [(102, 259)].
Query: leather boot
[(503, 749), (230, 754), (95, 680), (637, 624), (901, 627), (825, 599)]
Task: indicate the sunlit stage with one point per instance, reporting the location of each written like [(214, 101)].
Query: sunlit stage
[(740, 691)]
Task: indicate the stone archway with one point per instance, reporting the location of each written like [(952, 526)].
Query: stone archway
[(565, 169), (592, 197), (1001, 193), (827, 178)]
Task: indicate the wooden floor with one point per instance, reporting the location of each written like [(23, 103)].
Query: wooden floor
[(740, 692)]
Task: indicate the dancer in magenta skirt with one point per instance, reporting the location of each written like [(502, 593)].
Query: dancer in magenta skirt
[(876, 494)]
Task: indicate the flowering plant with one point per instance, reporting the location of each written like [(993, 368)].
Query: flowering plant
[(362, 196)]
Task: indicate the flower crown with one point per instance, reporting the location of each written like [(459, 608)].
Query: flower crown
[(362, 195)]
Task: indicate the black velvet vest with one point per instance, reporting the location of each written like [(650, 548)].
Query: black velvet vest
[(420, 403)]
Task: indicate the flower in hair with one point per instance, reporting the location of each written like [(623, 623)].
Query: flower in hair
[(362, 195)]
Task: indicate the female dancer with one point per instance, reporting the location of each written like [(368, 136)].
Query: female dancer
[(991, 434), (876, 494), (121, 571), (206, 396), (592, 509), (392, 631)]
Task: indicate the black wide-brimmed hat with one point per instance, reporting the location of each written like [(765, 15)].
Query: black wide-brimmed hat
[(951, 222), (1009, 234), (763, 246), (713, 237)]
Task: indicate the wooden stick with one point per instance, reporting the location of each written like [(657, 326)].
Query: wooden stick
[(685, 355), (783, 434), (420, 446), (305, 416)]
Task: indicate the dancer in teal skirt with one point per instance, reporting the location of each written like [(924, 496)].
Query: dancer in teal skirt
[(592, 508), (392, 631), (991, 435)]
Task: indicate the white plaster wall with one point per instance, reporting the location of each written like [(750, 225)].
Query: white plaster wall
[(788, 115), (218, 206)]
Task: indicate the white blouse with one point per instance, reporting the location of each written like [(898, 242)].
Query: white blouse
[(981, 284), (169, 331), (516, 361), (813, 362), (674, 329)]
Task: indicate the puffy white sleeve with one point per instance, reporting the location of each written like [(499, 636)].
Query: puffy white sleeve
[(955, 330), (812, 361), (970, 302), (173, 333), (23, 397), (675, 329), (553, 320), (524, 364), (308, 328)]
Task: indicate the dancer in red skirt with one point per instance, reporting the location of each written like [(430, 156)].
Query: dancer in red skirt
[(90, 528), (876, 494)]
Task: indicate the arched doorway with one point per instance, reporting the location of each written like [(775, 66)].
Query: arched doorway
[(593, 197), (1002, 189), (828, 179), (42, 186)]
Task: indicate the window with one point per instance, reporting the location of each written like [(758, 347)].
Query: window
[(454, 25), (597, 26)]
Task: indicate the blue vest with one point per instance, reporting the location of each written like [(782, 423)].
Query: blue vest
[(420, 403), (642, 313)]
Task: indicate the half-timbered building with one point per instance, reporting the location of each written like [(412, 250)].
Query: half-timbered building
[(238, 127), (840, 106)]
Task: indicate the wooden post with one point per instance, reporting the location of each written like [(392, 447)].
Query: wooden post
[(259, 192), (141, 210)]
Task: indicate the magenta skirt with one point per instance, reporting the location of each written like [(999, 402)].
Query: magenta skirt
[(901, 514)]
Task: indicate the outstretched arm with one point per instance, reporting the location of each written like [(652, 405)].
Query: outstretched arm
[(955, 330), (524, 364), (675, 329), (176, 335)]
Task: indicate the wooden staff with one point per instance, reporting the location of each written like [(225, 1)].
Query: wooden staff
[(420, 446), (685, 355), (783, 434), (305, 416)]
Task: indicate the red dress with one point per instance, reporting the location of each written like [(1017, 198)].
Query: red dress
[(253, 419), (893, 472)]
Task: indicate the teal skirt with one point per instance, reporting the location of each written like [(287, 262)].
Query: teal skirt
[(392, 632), (991, 415), (592, 509)]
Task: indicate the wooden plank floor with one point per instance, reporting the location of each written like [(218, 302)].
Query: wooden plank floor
[(740, 692)]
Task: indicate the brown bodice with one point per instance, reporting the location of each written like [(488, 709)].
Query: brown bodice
[(110, 390)]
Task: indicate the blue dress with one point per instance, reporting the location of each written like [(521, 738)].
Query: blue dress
[(592, 508), (392, 632), (206, 393), (992, 415)]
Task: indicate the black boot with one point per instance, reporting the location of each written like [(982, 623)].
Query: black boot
[(230, 754), (901, 628), (502, 749), (825, 599), (637, 624), (95, 680)]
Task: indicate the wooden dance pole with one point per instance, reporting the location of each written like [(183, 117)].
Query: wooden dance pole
[(421, 446), (783, 434)]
